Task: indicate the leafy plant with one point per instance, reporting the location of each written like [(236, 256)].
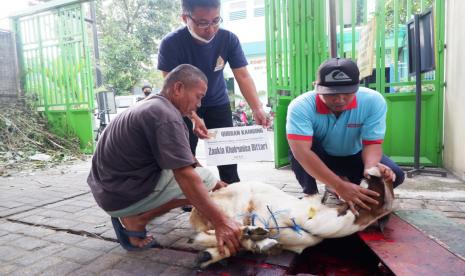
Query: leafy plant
[(129, 33)]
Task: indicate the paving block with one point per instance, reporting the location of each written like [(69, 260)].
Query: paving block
[(50, 213), (36, 231), (115, 272), (9, 253), (34, 219), (79, 255), (61, 223), (102, 263), (29, 243), (7, 269), (97, 244), (62, 268), (66, 238), (11, 226), (10, 204), (9, 237), (175, 257), (69, 208), (38, 267), (24, 214), (140, 267), (34, 256)]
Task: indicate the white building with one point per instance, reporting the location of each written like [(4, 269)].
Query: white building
[(246, 18)]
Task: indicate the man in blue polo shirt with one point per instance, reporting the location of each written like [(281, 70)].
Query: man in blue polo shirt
[(203, 44), (335, 134)]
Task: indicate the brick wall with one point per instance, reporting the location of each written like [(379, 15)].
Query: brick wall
[(8, 69)]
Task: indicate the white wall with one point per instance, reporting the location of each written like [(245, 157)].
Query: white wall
[(454, 111), (248, 30)]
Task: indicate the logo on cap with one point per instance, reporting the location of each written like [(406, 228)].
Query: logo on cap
[(337, 76)]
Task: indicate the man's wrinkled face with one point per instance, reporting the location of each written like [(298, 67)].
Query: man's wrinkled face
[(337, 102), (189, 98), (205, 22)]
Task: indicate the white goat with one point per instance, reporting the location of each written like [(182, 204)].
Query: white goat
[(273, 220)]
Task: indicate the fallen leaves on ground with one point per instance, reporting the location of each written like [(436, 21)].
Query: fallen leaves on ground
[(27, 143)]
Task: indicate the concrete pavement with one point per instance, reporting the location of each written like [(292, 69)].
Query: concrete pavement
[(50, 224)]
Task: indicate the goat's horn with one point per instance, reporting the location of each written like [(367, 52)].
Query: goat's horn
[(374, 171)]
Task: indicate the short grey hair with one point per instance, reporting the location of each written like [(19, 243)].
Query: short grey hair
[(187, 74)]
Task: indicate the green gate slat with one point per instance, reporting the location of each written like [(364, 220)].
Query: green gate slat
[(297, 31), (56, 67)]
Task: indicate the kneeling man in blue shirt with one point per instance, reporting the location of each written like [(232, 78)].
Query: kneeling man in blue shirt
[(335, 134)]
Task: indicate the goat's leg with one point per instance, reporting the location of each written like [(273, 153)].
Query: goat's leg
[(206, 239), (211, 255), (254, 238)]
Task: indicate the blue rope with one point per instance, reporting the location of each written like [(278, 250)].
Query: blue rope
[(295, 227)]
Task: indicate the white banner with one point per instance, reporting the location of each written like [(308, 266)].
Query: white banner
[(366, 50), (232, 145)]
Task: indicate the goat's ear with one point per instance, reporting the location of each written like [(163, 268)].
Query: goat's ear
[(364, 184), (374, 171)]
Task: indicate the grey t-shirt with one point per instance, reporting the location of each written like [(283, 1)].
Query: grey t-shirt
[(133, 150)]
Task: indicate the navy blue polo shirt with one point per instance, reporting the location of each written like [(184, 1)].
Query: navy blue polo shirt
[(179, 47)]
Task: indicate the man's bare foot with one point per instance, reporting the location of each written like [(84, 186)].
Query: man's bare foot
[(135, 223)]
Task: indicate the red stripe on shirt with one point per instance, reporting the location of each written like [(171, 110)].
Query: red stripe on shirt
[(299, 137), (372, 142), (322, 108)]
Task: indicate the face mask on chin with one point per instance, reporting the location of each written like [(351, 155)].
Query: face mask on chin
[(198, 37)]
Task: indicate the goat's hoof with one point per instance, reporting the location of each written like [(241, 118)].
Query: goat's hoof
[(256, 233), (269, 246), (203, 257)]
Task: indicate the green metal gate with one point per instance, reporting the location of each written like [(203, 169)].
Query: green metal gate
[(297, 42), (56, 68)]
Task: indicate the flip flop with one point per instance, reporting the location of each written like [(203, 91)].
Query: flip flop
[(123, 237)]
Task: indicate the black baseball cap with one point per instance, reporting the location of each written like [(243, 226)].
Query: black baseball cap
[(337, 76)]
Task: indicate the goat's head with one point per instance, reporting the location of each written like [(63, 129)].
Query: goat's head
[(376, 182)]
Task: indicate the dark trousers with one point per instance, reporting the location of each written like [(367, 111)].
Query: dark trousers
[(345, 166), (215, 117)]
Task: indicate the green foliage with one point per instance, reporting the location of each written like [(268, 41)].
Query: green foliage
[(129, 35), (405, 11)]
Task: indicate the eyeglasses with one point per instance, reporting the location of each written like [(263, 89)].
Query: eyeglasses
[(204, 25)]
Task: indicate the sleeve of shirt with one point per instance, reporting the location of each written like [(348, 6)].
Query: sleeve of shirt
[(374, 127), (299, 124), (169, 143), (236, 57), (167, 56)]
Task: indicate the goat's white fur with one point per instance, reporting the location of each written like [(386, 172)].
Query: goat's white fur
[(239, 200)]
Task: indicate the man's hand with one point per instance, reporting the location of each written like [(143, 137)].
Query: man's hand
[(386, 173), (220, 185), (200, 130), (260, 117), (355, 195), (228, 234)]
